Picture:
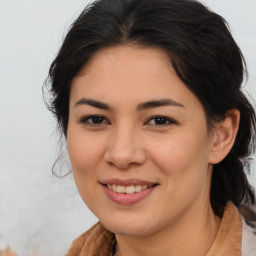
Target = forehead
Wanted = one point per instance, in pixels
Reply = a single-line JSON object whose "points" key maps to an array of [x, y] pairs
{"points": [[122, 61], [129, 73]]}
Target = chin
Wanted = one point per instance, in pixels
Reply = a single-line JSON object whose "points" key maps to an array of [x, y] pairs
{"points": [[128, 226]]}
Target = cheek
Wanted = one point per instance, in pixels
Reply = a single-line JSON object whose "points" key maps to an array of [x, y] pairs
{"points": [[183, 161], [85, 155], [184, 153], [84, 151]]}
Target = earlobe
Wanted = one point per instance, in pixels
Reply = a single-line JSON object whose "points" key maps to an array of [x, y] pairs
{"points": [[224, 135]]}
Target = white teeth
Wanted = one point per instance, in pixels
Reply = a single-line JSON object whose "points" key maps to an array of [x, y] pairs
{"points": [[130, 190], [138, 188], [120, 189], [127, 189]]}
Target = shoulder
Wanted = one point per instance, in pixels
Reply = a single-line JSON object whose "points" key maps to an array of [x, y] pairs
{"points": [[77, 245], [248, 230], [96, 241]]}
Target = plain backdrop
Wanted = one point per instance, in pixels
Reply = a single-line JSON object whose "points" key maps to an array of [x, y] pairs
{"points": [[40, 213]]}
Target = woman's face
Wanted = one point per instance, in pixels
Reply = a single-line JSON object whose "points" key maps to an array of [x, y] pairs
{"points": [[138, 142]]}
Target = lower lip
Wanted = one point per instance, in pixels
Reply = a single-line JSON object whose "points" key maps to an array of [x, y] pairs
{"points": [[127, 199]]}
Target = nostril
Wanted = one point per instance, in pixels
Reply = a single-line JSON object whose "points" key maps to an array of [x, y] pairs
{"points": [[124, 156]]}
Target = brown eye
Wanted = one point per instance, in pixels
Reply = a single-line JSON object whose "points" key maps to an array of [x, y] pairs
{"points": [[94, 120], [160, 121], [97, 120]]}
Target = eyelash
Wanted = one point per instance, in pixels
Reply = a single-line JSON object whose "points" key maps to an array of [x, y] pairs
{"points": [[167, 121], [85, 120]]}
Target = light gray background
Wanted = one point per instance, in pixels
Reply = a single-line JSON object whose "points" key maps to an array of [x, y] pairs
{"points": [[39, 213]]}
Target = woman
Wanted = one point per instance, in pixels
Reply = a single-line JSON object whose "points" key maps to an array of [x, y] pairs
{"points": [[147, 94]]}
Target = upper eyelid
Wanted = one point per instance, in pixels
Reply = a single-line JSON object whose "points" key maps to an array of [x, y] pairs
{"points": [[162, 116], [85, 118]]}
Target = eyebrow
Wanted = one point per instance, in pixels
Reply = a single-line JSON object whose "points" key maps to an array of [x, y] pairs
{"points": [[158, 103], [142, 106], [93, 103]]}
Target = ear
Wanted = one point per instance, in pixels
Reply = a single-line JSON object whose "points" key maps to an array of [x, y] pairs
{"points": [[224, 135]]}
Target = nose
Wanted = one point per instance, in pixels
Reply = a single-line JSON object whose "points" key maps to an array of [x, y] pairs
{"points": [[124, 149]]}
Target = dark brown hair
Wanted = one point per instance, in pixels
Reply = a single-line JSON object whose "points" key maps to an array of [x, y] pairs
{"points": [[202, 52]]}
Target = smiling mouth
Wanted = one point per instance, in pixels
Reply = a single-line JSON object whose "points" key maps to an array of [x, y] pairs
{"points": [[128, 189], [127, 192]]}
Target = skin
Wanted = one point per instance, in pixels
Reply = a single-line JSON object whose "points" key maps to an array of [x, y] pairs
{"points": [[128, 143]]}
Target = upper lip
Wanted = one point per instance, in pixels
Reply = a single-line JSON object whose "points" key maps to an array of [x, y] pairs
{"points": [[127, 182]]}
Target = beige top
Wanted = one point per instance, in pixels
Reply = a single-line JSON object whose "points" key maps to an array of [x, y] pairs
{"points": [[98, 241], [228, 241]]}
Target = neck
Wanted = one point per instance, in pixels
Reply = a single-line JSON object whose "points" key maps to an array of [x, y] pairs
{"points": [[193, 234]]}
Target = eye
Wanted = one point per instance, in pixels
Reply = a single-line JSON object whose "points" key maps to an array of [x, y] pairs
{"points": [[160, 121], [94, 120]]}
